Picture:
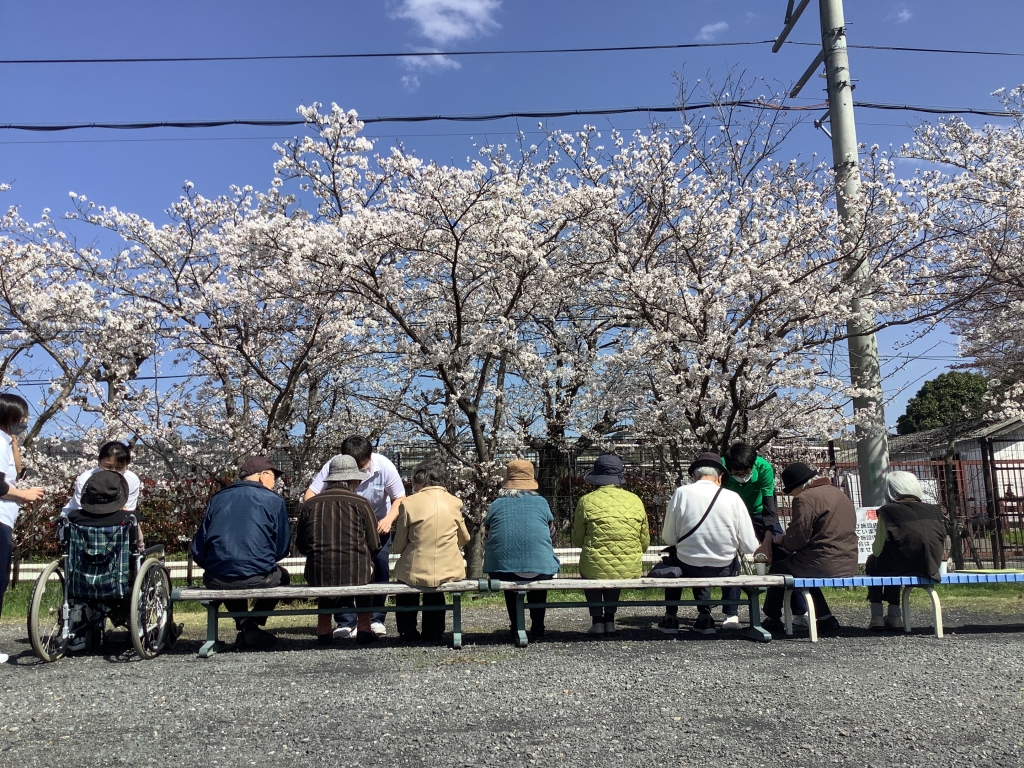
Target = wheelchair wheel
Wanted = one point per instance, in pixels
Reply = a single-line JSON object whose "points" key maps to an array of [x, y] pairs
{"points": [[150, 609], [46, 614]]}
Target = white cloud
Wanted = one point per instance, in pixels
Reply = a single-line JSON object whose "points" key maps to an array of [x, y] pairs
{"points": [[429, 63], [710, 31], [411, 82], [900, 14], [444, 21]]}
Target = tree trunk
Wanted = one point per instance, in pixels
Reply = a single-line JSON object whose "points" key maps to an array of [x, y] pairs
{"points": [[475, 553], [953, 508]]}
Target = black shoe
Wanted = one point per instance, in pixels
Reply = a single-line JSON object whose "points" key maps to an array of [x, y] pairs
{"points": [[828, 624], [412, 636], [704, 624], [439, 638], [256, 638], [669, 625], [776, 626], [536, 634]]}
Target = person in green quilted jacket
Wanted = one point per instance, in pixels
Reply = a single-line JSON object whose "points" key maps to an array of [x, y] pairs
{"points": [[611, 527]]}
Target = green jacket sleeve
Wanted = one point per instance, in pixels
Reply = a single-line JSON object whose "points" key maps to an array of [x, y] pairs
{"points": [[765, 478]]}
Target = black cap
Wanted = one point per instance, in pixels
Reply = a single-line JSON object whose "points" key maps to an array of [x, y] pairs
{"points": [[256, 464], [709, 459], [795, 475], [607, 471], [105, 492]]}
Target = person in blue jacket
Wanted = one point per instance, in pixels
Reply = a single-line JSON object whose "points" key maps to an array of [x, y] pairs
{"points": [[244, 532]]}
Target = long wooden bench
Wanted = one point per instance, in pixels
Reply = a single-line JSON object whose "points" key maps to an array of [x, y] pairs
{"points": [[752, 586], [906, 583], [212, 598]]}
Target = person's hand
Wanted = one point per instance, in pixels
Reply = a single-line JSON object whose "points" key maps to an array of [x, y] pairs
{"points": [[26, 495], [384, 525], [765, 548]]}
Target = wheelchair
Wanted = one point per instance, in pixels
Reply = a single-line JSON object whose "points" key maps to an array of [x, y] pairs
{"points": [[101, 575]]}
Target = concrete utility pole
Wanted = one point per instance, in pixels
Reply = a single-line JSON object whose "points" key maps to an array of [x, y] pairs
{"points": [[865, 372]]}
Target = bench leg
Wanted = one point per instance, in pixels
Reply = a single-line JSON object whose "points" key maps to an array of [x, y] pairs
{"points": [[755, 631], [787, 611], [456, 620], [520, 630], [937, 608], [212, 644], [905, 603], [812, 615]]}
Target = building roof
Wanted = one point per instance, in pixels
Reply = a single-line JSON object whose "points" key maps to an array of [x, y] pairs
{"points": [[935, 439]]}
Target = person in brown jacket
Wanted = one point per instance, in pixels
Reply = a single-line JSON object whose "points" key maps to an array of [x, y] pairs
{"points": [[822, 537], [429, 537], [337, 532]]}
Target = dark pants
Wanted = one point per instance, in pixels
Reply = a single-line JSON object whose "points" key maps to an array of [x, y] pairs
{"points": [[433, 621], [276, 578], [381, 575], [775, 595], [6, 553], [602, 596], [762, 524], [702, 593], [890, 595], [533, 596]]}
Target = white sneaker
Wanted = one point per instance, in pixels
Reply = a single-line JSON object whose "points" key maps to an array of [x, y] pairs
{"points": [[378, 628], [345, 633], [801, 621], [596, 628], [731, 622], [3, 658]]}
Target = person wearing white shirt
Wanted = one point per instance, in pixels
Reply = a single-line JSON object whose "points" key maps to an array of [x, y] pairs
{"points": [[707, 524], [13, 422], [384, 489], [113, 457]]}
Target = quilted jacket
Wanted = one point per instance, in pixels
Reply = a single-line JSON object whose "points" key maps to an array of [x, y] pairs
{"points": [[611, 527]]}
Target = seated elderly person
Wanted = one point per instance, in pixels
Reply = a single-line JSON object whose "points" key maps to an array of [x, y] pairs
{"points": [[429, 538], [243, 534], [821, 537], [520, 530], [910, 540], [610, 527], [706, 524], [337, 532]]}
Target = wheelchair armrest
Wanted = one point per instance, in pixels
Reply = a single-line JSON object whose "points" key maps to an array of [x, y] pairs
{"points": [[157, 550]]}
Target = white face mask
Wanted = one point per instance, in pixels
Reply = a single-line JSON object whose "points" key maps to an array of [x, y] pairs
{"points": [[742, 479]]}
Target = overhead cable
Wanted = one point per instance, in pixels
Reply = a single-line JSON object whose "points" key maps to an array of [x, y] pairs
{"points": [[542, 115], [500, 52]]}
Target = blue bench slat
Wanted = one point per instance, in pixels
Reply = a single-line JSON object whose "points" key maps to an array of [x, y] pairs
{"points": [[907, 581]]}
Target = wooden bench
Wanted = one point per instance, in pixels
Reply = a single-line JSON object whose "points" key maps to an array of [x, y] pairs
{"points": [[212, 598], [906, 584], [753, 586]]}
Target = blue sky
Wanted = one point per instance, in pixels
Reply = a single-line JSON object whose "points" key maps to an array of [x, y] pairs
{"points": [[144, 171]]}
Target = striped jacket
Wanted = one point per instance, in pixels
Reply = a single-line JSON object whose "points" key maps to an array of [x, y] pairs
{"points": [[337, 531]]}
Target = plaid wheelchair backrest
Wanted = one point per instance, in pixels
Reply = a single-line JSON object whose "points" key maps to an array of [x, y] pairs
{"points": [[99, 562]]}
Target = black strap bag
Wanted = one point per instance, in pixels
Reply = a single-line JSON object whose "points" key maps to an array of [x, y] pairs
{"points": [[670, 566]]}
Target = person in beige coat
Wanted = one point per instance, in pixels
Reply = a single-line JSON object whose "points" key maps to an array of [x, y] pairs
{"points": [[429, 537]]}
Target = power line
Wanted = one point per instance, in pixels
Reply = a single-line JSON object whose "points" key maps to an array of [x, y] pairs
{"points": [[742, 103], [504, 52], [379, 55]]}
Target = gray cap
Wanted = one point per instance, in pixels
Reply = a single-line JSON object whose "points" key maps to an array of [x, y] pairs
{"points": [[343, 467]]}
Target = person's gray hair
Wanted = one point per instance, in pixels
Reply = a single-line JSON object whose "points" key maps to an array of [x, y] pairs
{"points": [[515, 493], [902, 485], [700, 472], [429, 472]]}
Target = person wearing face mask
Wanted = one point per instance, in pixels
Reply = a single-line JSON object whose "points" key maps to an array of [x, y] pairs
{"points": [[752, 477], [13, 422]]}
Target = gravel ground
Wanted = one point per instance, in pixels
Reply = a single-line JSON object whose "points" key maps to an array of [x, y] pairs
{"points": [[642, 699]]}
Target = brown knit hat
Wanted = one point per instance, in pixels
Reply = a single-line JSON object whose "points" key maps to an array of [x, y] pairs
{"points": [[519, 476]]}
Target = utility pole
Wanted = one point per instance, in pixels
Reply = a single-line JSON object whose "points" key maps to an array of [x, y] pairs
{"points": [[865, 371]]}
